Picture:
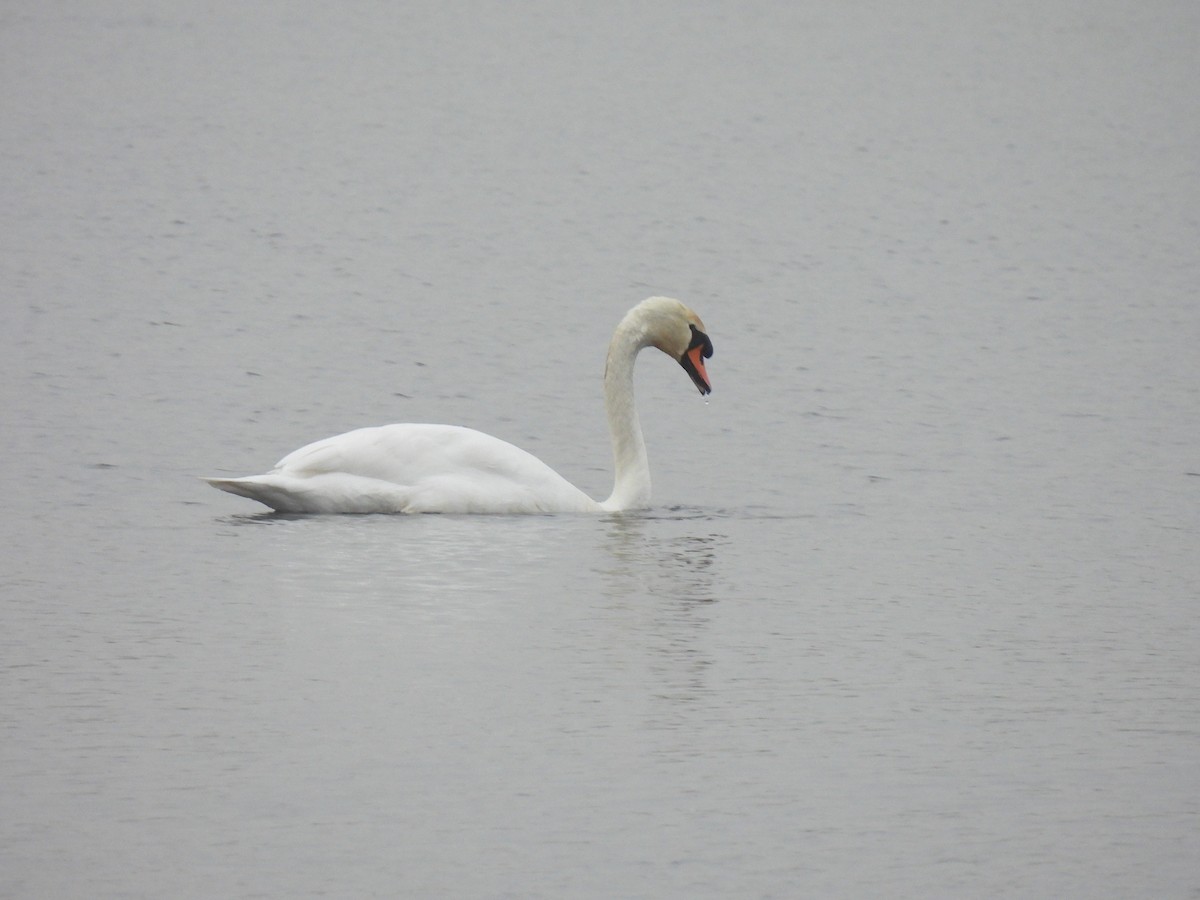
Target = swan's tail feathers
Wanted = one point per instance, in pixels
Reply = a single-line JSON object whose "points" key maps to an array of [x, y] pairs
{"points": [[255, 488], [328, 493], [239, 486]]}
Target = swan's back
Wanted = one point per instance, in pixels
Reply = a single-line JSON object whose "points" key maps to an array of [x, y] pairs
{"points": [[411, 468]]}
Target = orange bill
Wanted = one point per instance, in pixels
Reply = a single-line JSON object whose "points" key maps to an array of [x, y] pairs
{"points": [[695, 367]]}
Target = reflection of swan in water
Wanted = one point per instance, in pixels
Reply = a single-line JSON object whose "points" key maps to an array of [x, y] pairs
{"points": [[469, 568], [445, 468], [662, 580], [680, 566]]}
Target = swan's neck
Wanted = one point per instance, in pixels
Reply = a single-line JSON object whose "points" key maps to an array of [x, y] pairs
{"points": [[631, 486]]}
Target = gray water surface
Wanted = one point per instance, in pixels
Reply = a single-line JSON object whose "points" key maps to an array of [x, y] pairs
{"points": [[915, 611]]}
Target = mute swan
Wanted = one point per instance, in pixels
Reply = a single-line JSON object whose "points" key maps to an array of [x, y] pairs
{"points": [[449, 469]]}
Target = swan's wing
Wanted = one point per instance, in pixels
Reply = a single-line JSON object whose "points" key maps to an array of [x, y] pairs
{"points": [[411, 453]]}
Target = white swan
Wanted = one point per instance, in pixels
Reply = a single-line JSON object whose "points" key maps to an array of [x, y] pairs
{"points": [[450, 469]]}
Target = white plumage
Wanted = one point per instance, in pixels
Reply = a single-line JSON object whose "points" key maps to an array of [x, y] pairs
{"points": [[416, 468]]}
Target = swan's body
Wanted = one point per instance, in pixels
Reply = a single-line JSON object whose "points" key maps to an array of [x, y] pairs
{"points": [[446, 468], [412, 469]]}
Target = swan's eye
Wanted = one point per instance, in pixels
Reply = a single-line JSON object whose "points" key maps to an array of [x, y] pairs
{"points": [[700, 339]]}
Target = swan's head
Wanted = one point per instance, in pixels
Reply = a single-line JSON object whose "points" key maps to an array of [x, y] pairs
{"points": [[678, 332]]}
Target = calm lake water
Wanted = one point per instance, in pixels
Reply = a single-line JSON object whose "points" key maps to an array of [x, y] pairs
{"points": [[915, 613]]}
